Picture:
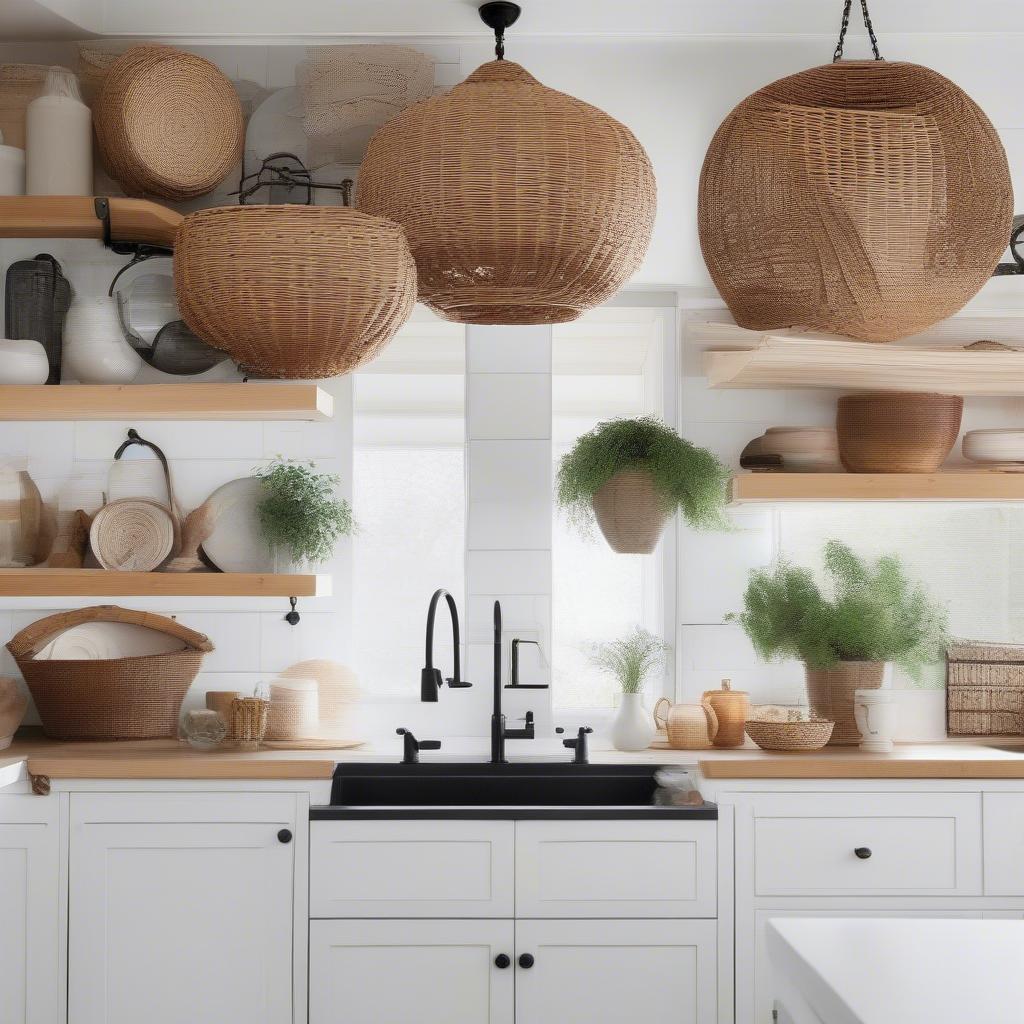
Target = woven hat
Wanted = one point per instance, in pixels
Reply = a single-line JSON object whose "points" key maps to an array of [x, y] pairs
{"points": [[864, 198], [522, 205]]}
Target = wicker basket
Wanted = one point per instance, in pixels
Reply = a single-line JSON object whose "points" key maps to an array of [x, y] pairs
{"points": [[897, 432], [985, 689], [523, 205], [168, 123], [630, 512], [294, 291], [863, 198], [126, 698], [830, 695], [810, 734]]}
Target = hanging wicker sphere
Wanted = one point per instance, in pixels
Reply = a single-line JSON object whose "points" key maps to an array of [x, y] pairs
{"points": [[522, 205], [863, 198], [293, 291]]}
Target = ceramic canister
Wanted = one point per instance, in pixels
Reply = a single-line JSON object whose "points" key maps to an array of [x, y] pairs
{"points": [[58, 139], [875, 712], [732, 708]]}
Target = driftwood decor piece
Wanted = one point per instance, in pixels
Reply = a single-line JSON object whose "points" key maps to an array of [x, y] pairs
{"points": [[864, 198]]}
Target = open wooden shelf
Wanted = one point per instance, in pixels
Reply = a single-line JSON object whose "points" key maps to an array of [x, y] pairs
{"points": [[768, 488], [105, 583], [248, 401]]}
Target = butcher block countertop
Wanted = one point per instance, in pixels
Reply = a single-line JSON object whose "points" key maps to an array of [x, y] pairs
{"points": [[31, 752]]}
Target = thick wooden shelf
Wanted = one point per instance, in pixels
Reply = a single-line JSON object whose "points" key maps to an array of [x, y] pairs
{"points": [[247, 401], [770, 488], [106, 583]]}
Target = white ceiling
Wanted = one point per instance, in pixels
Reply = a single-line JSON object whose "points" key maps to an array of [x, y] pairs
{"points": [[286, 20]]}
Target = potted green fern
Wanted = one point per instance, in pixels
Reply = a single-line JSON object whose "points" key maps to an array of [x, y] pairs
{"points": [[871, 614], [630, 475]]}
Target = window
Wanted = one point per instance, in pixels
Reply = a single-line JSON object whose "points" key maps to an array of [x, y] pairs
{"points": [[409, 496]]}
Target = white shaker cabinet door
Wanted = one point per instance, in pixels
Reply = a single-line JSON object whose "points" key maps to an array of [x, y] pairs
{"points": [[400, 972], [29, 910], [613, 972], [181, 909]]}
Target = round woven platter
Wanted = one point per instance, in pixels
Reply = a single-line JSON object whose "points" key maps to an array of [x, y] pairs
{"points": [[132, 535]]}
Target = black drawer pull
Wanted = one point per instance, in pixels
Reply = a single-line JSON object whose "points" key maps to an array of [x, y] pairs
{"points": [[284, 836], [863, 852], [526, 960], [502, 960]]}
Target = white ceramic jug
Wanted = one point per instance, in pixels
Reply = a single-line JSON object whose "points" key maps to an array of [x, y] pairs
{"points": [[875, 713]]}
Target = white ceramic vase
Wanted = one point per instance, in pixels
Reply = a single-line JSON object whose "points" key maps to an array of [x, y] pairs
{"points": [[633, 727], [95, 351], [23, 361]]}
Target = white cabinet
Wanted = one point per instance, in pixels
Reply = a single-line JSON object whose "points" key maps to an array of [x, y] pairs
{"points": [[609, 972], [29, 910], [396, 972], [1004, 844], [181, 908]]}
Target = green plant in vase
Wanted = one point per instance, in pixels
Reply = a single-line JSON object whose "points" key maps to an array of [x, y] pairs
{"points": [[632, 474], [300, 514], [870, 614]]}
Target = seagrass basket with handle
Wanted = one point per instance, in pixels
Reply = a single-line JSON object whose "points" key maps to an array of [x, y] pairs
{"points": [[135, 697]]}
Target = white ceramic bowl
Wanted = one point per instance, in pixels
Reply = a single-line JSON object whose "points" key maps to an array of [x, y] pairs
{"points": [[803, 449], [23, 361], [1001, 445]]}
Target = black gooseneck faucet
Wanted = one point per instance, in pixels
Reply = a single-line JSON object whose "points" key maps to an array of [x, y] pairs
{"points": [[498, 731], [431, 679]]}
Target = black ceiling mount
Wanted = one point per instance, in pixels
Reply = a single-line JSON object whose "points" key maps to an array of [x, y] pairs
{"points": [[498, 15]]}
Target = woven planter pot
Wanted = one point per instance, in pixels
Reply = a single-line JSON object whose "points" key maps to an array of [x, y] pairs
{"points": [[897, 432], [863, 198], [522, 205], [830, 695], [293, 291], [630, 512], [124, 698], [168, 123]]}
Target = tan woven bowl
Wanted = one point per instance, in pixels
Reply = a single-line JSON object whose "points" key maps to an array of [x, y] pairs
{"points": [[293, 291], [132, 535], [897, 432], [791, 736], [865, 198], [630, 512], [125, 698], [522, 205], [168, 123]]}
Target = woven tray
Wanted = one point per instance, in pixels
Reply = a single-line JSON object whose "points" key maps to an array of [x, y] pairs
{"points": [[984, 689]]}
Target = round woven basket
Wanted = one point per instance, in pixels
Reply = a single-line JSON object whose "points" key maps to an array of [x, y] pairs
{"points": [[132, 535], [168, 123], [897, 432], [794, 736], [830, 694], [864, 198], [630, 512], [293, 291], [124, 698], [522, 205]]}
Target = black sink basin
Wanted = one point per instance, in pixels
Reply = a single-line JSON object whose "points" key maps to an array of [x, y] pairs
{"points": [[534, 790]]}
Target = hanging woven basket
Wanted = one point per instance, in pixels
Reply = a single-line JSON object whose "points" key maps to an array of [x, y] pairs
{"points": [[863, 198], [522, 205]]}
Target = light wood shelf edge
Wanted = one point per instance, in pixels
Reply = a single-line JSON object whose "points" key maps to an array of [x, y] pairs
{"points": [[105, 583], [834, 487]]}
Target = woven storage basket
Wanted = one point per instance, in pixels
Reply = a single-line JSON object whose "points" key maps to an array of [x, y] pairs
{"points": [[812, 734], [830, 695], [630, 512], [294, 291], [522, 205], [985, 689], [897, 432], [864, 198], [125, 698], [168, 123]]}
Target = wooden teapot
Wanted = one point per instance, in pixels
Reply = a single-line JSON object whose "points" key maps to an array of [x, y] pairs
{"points": [[687, 726]]}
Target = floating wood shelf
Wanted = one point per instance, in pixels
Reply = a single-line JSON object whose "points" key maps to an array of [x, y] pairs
{"points": [[768, 488], [793, 360], [106, 583], [165, 402]]}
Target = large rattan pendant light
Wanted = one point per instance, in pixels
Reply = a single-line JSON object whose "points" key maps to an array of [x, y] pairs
{"points": [[522, 205], [864, 198]]}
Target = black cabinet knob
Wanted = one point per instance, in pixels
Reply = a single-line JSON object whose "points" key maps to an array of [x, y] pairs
{"points": [[284, 836], [502, 960], [525, 960], [862, 852]]}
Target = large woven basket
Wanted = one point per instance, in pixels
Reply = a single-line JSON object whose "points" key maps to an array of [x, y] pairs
{"points": [[522, 205], [864, 198], [985, 689], [168, 123], [830, 695], [808, 734], [126, 698], [294, 291], [897, 432], [630, 512]]}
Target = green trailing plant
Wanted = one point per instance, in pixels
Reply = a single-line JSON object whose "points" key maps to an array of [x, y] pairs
{"points": [[870, 612], [630, 659], [689, 478], [300, 512]]}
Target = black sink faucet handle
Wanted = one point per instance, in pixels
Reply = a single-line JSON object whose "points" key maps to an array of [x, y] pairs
{"points": [[578, 745], [412, 746]]}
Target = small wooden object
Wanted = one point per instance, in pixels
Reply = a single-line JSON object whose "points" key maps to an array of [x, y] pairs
{"points": [[985, 689], [732, 708], [71, 542]]}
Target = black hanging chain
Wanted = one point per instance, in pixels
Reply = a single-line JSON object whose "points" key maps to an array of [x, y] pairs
{"points": [[838, 55]]}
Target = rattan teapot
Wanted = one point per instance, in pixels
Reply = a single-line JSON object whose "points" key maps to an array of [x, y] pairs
{"points": [[687, 726]]}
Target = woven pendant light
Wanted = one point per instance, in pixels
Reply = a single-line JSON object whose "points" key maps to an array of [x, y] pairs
{"points": [[522, 205], [863, 198]]}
